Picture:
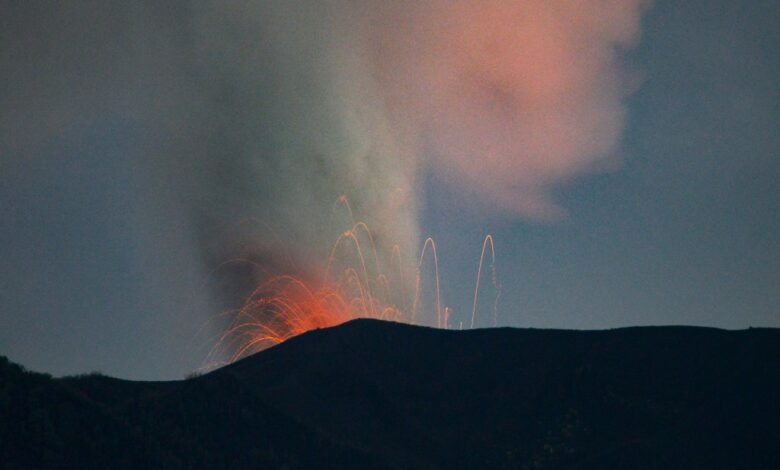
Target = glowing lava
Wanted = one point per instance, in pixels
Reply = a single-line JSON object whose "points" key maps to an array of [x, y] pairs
{"points": [[354, 286]]}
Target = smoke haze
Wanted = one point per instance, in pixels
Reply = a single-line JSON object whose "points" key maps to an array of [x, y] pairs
{"points": [[234, 126]]}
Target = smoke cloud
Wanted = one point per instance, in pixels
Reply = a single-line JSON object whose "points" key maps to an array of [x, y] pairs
{"points": [[250, 119], [508, 97]]}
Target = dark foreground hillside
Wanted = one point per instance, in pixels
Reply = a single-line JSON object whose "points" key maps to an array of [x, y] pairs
{"points": [[377, 394]]}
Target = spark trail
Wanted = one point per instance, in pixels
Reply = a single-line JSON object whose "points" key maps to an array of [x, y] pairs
{"points": [[354, 285]]}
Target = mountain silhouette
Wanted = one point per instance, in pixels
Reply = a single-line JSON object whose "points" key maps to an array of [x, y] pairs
{"points": [[373, 394]]}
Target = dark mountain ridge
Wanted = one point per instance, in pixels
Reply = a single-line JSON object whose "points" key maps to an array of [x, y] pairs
{"points": [[379, 394]]}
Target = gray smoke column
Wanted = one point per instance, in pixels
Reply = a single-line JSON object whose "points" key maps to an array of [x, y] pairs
{"points": [[249, 119], [289, 119]]}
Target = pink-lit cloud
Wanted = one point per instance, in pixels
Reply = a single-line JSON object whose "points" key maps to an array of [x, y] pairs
{"points": [[509, 98]]}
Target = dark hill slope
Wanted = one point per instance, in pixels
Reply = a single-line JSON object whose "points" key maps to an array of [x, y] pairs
{"points": [[371, 393]]}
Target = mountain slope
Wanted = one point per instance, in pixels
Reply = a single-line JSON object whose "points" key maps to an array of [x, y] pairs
{"points": [[370, 393]]}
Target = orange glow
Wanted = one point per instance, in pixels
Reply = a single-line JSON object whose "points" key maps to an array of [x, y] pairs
{"points": [[285, 306]]}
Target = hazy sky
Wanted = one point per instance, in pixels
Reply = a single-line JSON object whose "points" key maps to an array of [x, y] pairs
{"points": [[136, 143]]}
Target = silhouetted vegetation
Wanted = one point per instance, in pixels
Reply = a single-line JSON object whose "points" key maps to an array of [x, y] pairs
{"points": [[375, 394]]}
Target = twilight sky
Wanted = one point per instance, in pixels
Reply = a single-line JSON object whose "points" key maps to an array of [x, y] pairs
{"points": [[625, 163]]}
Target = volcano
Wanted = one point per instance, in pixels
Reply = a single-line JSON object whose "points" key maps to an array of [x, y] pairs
{"points": [[371, 393]]}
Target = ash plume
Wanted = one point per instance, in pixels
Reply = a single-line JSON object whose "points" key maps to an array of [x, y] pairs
{"points": [[247, 120], [508, 98], [244, 121]]}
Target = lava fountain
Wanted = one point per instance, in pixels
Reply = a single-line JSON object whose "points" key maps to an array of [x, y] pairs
{"points": [[354, 285]]}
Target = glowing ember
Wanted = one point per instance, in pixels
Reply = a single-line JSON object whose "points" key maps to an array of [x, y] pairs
{"points": [[353, 287]]}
